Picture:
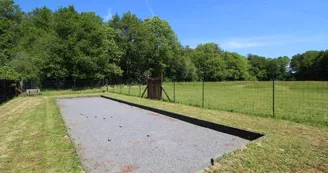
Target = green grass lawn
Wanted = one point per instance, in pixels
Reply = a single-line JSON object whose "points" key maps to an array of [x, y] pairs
{"points": [[70, 91], [34, 138], [304, 102]]}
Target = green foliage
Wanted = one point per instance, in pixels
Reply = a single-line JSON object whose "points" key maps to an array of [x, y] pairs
{"points": [[278, 67], [209, 61], [149, 46], [68, 45], [166, 49], [310, 65], [217, 65], [8, 73], [26, 66], [10, 17], [131, 38], [258, 66], [237, 67], [264, 68]]}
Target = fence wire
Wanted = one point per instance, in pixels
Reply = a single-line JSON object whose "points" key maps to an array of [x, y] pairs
{"points": [[299, 101]]}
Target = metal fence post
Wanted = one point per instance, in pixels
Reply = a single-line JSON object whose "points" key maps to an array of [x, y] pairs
{"points": [[4, 90], [174, 91], [129, 87], [74, 83], [273, 94], [139, 89], [203, 91], [107, 84]]}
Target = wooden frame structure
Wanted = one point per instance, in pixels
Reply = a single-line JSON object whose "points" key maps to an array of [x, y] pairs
{"points": [[155, 88]]}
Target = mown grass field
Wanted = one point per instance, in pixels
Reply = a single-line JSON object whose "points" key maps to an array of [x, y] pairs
{"points": [[34, 137], [304, 101], [70, 91]]}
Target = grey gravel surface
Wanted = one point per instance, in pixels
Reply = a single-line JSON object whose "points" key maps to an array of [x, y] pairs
{"points": [[114, 137]]}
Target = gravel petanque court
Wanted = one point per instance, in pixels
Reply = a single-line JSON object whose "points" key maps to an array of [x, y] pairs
{"points": [[115, 137]]}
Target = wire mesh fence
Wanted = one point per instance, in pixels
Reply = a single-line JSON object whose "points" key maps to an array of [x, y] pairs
{"points": [[72, 84], [300, 101], [59, 87], [128, 89], [239, 96]]}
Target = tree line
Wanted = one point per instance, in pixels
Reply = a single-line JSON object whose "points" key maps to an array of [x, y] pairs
{"points": [[67, 45]]}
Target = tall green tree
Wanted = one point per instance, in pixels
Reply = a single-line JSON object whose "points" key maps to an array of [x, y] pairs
{"points": [[209, 61], [37, 36], [309, 65], [84, 47], [10, 18], [8, 73], [131, 37], [236, 66], [258, 66], [322, 66], [165, 48], [278, 67], [183, 69]]}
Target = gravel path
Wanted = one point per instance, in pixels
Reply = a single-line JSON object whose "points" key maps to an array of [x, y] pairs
{"points": [[114, 137]]}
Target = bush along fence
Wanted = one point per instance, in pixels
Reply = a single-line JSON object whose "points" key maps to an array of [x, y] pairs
{"points": [[7, 90]]}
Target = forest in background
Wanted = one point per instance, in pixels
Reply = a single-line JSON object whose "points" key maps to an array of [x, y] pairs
{"points": [[68, 45]]}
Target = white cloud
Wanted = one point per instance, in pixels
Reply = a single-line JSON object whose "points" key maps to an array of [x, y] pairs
{"points": [[234, 43], [150, 9], [109, 15], [272, 40], [255, 41], [238, 45]]}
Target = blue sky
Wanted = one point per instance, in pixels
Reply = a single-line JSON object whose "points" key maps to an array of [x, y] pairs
{"points": [[269, 28]]}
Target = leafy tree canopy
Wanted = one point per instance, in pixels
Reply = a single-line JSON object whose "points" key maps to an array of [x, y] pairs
{"points": [[68, 45]]}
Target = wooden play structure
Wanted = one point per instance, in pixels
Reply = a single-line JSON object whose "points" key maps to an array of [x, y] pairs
{"points": [[155, 88]]}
